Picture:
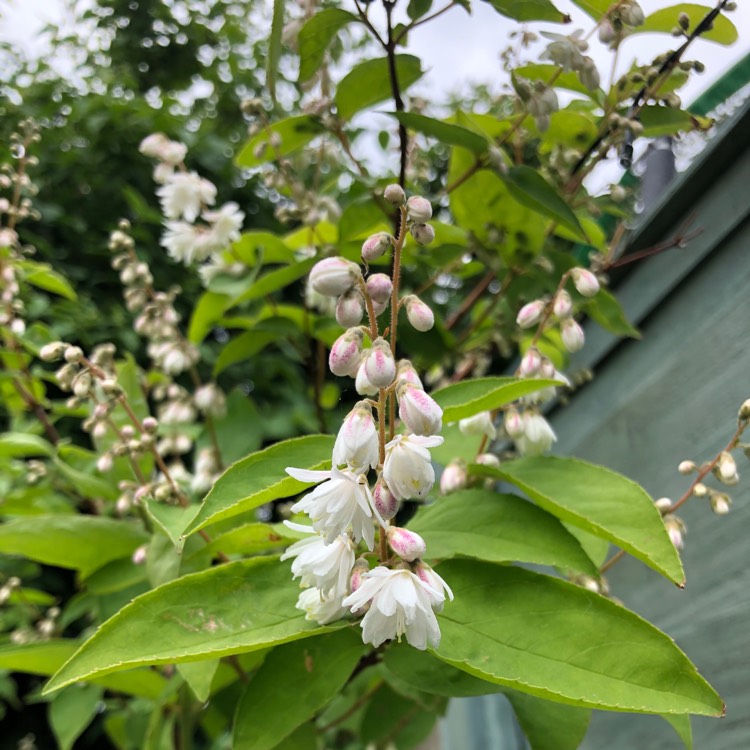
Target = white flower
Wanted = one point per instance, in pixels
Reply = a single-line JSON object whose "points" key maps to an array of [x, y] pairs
{"points": [[400, 604], [163, 173], [185, 194], [408, 468], [319, 608], [226, 223], [479, 424], [341, 503], [537, 436], [418, 411], [425, 573], [187, 243], [326, 566], [357, 442], [210, 399], [361, 383]]}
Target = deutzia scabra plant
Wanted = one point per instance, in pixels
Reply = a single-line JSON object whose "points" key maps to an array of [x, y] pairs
{"points": [[307, 497]]}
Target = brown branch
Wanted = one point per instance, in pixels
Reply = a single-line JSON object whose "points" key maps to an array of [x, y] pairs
{"points": [[471, 299]]}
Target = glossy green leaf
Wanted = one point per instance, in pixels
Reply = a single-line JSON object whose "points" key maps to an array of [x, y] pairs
{"points": [[294, 132], [595, 8], [42, 276], [658, 120], [210, 307], [274, 47], [85, 482], [529, 10], [260, 478], [243, 347], [315, 36], [241, 431], [549, 725], [115, 576], [498, 528], [312, 671], [46, 657], [664, 20], [558, 641], [445, 132], [597, 500], [274, 280], [302, 738], [71, 711], [530, 189], [171, 519], [250, 539], [605, 309], [80, 542], [22, 445], [230, 609], [418, 8], [368, 83], [199, 675], [683, 727], [469, 397], [257, 247]]}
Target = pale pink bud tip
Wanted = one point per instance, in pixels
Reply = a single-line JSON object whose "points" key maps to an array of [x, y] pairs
{"points": [[530, 314], [380, 367], [514, 423], [418, 209], [395, 195], [572, 335], [531, 363], [585, 282], [563, 305], [453, 478], [379, 287], [376, 245], [406, 544], [350, 309], [361, 566], [418, 411], [346, 352], [334, 276], [385, 502], [405, 371], [488, 459], [424, 234], [419, 314]]}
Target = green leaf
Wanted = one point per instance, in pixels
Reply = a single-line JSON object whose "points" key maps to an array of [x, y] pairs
{"points": [[22, 445], [241, 431], [250, 539], [260, 478], [261, 247], [722, 31], [210, 308], [274, 47], [42, 276], [243, 347], [84, 482], [658, 120], [315, 36], [230, 609], [530, 189], [543, 72], [445, 132], [499, 528], [71, 712], [369, 83], [294, 132], [681, 725], [529, 10], [82, 543], [595, 8], [550, 638], [171, 519], [274, 280], [548, 725], [597, 500], [311, 672], [46, 657], [469, 397], [199, 675], [302, 738], [605, 309], [417, 8]]}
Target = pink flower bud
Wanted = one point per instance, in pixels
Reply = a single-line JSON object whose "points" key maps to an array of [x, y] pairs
{"points": [[531, 362], [345, 353], [334, 276], [418, 411], [395, 195], [376, 245], [427, 575], [139, 556], [361, 566], [726, 469], [453, 478], [104, 463], [488, 459], [572, 335], [379, 287], [585, 282], [361, 384], [530, 314], [675, 536], [424, 234], [663, 504], [405, 371], [419, 314], [379, 307], [406, 544], [418, 209], [350, 308], [563, 305], [514, 423], [547, 369], [150, 425], [380, 366], [385, 502]]}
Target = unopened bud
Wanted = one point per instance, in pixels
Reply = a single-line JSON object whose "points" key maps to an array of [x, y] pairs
{"points": [[572, 335], [395, 195], [676, 536], [380, 365], [334, 276], [418, 411], [361, 566], [530, 314], [52, 352], [488, 459], [345, 353], [361, 383], [82, 385], [150, 425], [104, 463], [405, 371], [562, 307], [632, 14], [419, 210], [585, 282], [606, 31], [139, 556], [406, 544], [513, 423], [376, 245], [726, 469], [479, 424], [424, 234], [385, 502], [663, 504], [531, 362], [720, 503], [684, 21], [350, 309], [744, 412], [419, 314], [73, 354], [379, 287], [453, 478], [700, 490], [686, 467]]}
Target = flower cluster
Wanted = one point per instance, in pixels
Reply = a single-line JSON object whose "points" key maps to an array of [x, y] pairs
{"points": [[401, 595], [185, 196]]}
